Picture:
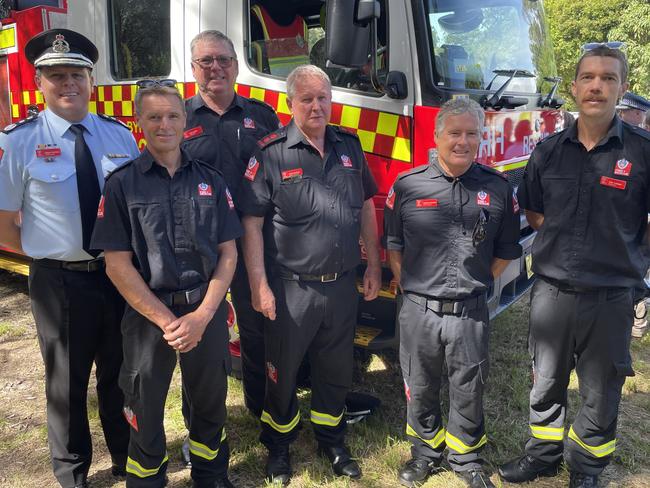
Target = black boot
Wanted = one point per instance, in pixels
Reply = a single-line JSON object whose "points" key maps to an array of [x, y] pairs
{"points": [[278, 465], [342, 462], [526, 468], [417, 470], [475, 478], [582, 480]]}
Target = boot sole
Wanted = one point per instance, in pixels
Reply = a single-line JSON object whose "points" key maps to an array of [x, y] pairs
{"points": [[547, 473]]}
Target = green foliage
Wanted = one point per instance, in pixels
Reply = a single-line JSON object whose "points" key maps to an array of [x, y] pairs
{"points": [[575, 23]]}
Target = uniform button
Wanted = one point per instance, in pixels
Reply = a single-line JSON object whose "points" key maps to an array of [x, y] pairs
{"points": [[336, 226], [336, 245], [54, 177]]}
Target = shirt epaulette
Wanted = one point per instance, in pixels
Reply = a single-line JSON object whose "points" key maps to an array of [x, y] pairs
{"points": [[119, 168], [551, 137], [208, 166], [640, 132], [113, 119], [492, 171], [262, 103], [412, 171], [278, 135], [345, 131], [20, 123]]}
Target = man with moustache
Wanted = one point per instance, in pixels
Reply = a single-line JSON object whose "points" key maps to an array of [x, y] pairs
{"points": [[451, 228], [167, 224], [222, 129], [586, 191], [52, 169], [306, 200]]}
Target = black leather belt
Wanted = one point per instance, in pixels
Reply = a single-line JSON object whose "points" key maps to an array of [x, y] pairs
{"points": [[453, 307], [285, 274], [566, 288], [183, 297], [89, 266]]}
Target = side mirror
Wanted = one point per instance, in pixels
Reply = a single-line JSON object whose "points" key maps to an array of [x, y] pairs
{"points": [[396, 85], [348, 31]]}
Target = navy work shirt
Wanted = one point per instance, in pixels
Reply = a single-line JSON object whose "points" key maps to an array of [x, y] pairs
{"points": [[430, 218], [173, 225], [312, 206], [227, 141], [595, 206]]}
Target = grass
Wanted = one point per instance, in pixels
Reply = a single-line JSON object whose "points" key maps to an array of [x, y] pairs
{"points": [[379, 441]]}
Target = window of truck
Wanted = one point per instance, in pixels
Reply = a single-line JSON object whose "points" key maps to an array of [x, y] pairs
{"points": [[140, 38]]}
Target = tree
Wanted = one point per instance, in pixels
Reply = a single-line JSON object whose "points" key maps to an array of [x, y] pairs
{"points": [[573, 24]]}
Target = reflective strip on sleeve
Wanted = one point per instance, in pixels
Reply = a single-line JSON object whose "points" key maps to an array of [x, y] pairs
{"points": [[455, 444], [204, 451], [282, 428], [597, 451], [136, 469], [325, 419], [435, 442], [547, 433]]}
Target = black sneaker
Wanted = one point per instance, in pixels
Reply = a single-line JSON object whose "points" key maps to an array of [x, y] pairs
{"points": [[526, 468], [416, 470]]}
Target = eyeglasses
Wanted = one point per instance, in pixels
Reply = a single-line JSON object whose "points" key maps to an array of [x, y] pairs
{"points": [[151, 83], [611, 45], [206, 62]]}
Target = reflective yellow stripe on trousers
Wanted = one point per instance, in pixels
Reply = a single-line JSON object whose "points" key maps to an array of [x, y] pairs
{"points": [[136, 469], [597, 451], [204, 451], [434, 443], [325, 419], [455, 444], [281, 428], [547, 433]]}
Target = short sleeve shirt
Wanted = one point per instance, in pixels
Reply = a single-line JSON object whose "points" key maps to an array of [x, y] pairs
{"points": [[173, 225], [38, 177], [227, 141], [595, 206], [431, 217], [312, 205]]}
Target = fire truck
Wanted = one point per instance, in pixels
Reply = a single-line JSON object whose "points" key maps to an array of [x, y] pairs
{"points": [[392, 63]]}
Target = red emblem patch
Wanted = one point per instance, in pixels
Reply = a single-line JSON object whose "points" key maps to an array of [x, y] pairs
{"points": [[231, 204], [622, 167], [426, 203], [271, 372], [613, 183], [515, 203], [291, 173], [483, 199], [193, 132], [390, 199], [130, 417], [205, 190], [251, 169], [249, 123], [407, 391], [346, 161], [100, 208], [48, 152]]}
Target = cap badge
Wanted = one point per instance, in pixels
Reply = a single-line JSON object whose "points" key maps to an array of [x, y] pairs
{"points": [[60, 45]]}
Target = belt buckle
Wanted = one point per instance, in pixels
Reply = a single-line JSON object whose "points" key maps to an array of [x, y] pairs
{"points": [[190, 295], [327, 278], [447, 307]]}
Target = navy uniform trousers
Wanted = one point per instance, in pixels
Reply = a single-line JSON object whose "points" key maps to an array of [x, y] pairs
{"points": [[427, 340], [588, 331], [77, 318], [317, 319], [149, 363]]}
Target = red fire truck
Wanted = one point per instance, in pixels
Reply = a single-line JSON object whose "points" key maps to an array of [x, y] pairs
{"points": [[392, 64]]}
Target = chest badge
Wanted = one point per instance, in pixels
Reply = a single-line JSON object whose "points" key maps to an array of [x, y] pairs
{"points": [[622, 167], [390, 198], [613, 183], [292, 174], [249, 123], [193, 132], [117, 156], [205, 190], [231, 203], [426, 203], [483, 199], [251, 169], [47, 152], [346, 161]]}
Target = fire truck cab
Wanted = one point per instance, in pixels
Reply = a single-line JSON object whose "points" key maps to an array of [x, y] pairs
{"points": [[392, 64]]}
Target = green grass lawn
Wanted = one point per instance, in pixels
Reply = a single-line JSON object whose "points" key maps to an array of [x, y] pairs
{"points": [[378, 442]]}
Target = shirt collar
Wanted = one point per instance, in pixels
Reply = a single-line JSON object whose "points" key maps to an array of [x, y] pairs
{"points": [[615, 131], [435, 171], [61, 125], [146, 160], [197, 102], [295, 135]]}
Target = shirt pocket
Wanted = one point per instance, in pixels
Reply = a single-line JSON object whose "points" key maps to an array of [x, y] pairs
{"points": [[296, 199], [54, 186], [347, 182], [205, 221], [559, 194]]}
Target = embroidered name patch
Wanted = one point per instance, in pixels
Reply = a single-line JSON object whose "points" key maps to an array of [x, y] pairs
{"points": [[193, 132], [291, 173], [426, 203], [613, 183]]}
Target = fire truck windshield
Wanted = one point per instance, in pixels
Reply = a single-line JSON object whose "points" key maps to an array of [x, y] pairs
{"points": [[473, 42]]}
